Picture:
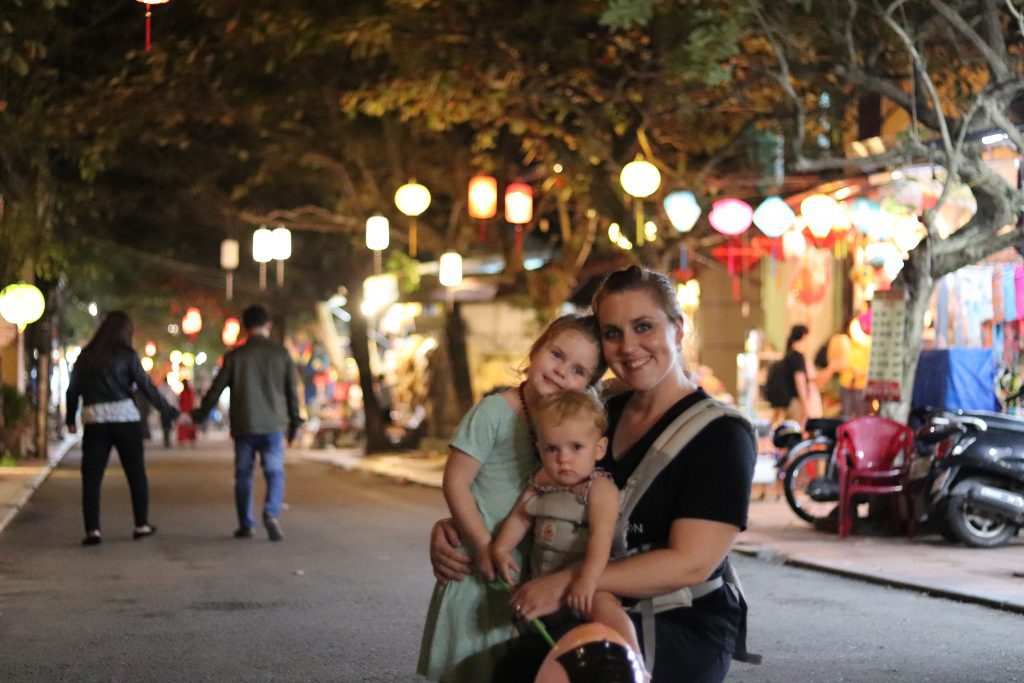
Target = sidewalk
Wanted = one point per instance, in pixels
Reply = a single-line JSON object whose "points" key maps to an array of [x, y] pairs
{"points": [[17, 484], [929, 564]]}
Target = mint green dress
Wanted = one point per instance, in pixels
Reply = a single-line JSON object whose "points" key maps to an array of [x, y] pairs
{"points": [[470, 623]]}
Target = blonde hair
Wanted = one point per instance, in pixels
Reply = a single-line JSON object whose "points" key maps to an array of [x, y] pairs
{"points": [[569, 405]]}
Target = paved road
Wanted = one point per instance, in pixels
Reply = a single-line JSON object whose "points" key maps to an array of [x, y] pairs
{"points": [[341, 599]]}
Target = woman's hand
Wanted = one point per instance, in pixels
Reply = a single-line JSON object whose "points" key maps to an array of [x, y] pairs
{"points": [[449, 563], [541, 596]]}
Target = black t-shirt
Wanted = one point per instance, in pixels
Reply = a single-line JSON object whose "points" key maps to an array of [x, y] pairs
{"points": [[794, 362], [710, 479]]}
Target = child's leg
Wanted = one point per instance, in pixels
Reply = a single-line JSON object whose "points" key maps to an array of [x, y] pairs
{"points": [[607, 610]]}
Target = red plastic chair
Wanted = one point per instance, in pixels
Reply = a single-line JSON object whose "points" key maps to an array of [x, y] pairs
{"points": [[873, 456]]}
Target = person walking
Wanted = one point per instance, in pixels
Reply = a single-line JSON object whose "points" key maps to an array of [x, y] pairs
{"points": [[105, 378], [187, 403], [264, 410], [166, 424]]}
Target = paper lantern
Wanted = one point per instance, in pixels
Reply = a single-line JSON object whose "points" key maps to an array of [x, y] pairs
{"points": [[864, 213], [378, 233], [518, 203], [821, 213], [640, 178], [412, 199], [21, 304], [682, 209], [232, 328], [731, 216], [794, 245], [192, 322], [449, 270], [229, 254], [774, 217], [282, 238], [149, 349], [483, 197], [262, 245]]}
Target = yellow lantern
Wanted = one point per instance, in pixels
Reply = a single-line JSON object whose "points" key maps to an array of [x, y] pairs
{"points": [[821, 213], [483, 197], [640, 178], [192, 322], [412, 199], [21, 304]]}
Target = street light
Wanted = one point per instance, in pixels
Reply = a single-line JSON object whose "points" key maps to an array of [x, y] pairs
{"points": [[378, 237], [412, 199], [229, 262], [640, 178], [263, 251], [282, 250]]}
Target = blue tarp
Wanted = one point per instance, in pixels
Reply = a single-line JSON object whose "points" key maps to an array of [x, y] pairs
{"points": [[956, 379]]}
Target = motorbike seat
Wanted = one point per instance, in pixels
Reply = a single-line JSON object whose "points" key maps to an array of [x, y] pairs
{"points": [[823, 426]]}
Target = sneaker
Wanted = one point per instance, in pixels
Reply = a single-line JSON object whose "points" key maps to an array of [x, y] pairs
{"points": [[273, 528], [243, 532]]}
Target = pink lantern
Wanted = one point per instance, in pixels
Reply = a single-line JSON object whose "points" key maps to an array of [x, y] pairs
{"points": [[731, 216], [518, 203], [483, 197]]}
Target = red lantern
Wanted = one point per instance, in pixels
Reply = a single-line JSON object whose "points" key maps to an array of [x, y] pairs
{"points": [[231, 330], [192, 322]]}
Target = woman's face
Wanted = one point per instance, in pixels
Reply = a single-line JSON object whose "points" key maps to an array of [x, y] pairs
{"points": [[641, 344], [566, 361]]}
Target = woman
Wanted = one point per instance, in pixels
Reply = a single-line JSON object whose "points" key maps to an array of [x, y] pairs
{"points": [[801, 399], [104, 377], [186, 404], [684, 524]]}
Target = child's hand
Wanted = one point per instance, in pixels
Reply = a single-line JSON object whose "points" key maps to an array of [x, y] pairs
{"points": [[581, 595], [505, 566], [484, 565]]}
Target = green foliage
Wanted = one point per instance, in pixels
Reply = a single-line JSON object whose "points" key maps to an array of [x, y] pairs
{"points": [[622, 15], [17, 407]]}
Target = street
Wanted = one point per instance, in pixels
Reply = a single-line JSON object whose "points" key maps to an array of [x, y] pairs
{"points": [[343, 596]]}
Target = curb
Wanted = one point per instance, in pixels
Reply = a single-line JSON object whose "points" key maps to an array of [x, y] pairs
{"points": [[55, 455]]}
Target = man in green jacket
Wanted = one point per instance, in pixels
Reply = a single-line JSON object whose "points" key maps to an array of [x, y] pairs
{"points": [[264, 408]]}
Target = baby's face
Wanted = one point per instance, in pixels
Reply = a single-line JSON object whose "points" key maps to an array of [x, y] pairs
{"points": [[569, 450]]}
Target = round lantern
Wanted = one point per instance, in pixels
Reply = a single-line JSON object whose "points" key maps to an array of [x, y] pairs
{"points": [[192, 322], [412, 199], [731, 216], [483, 197], [794, 245], [150, 349], [640, 178], [864, 213], [682, 209], [21, 304], [232, 328], [518, 203], [774, 217], [378, 233], [821, 213], [449, 269]]}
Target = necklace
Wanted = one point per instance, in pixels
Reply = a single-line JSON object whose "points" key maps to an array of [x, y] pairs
{"points": [[529, 420]]}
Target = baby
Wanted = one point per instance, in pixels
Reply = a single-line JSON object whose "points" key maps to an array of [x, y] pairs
{"points": [[572, 508]]}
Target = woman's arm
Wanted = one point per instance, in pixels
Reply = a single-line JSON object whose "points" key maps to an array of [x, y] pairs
{"points": [[459, 472], [602, 512]]}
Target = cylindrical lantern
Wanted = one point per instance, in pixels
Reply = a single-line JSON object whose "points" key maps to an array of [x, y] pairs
{"points": [[449, 270], [682, 209], [229, 254], [774, 217], [378, 233], [640, 178], [518, 203], [21, 304], [820, 211], [483, 197], [412, 199], [229, 335], [262, 245], [192, 322], [730, 216], [282, 239]]}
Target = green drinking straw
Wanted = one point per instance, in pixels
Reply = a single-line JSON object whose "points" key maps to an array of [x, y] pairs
{"points": [[536, 623]]}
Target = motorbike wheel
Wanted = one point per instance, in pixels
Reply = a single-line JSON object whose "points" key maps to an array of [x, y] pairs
{"points": [[972, 527], [800, 473]]}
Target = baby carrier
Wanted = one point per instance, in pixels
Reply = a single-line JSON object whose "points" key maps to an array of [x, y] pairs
{"points": [[664, 449]]}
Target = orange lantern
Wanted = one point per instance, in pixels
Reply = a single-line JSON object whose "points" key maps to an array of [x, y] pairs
{"points": [[519, 208], [192, 322], [231, 330], [150, 349], [483, 197]]}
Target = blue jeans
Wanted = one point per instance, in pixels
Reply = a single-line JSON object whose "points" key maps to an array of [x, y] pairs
{"points": [[271, 450]]}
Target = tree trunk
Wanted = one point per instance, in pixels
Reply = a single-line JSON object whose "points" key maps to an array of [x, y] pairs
{"points": [[916, 279], [455, 337], [376, 440]]}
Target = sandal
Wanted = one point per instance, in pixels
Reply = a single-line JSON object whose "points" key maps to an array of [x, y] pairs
{"points": [[143, 531], [92, 538]]}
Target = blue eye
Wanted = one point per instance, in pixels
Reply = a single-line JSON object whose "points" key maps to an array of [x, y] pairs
{"points": [[642, 327]]}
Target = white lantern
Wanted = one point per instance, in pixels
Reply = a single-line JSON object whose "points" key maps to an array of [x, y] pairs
{"points": [[21, 304], [378, 233], [640, 178], [821, 213], [794, 245], [774, 217], [282, 239], [412, 199], [229, 254], [682, 209], [262, 245], [449, 271]]}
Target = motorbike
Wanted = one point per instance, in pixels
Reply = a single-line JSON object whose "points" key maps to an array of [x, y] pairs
{"points": [[968, 471], [807, 467]]}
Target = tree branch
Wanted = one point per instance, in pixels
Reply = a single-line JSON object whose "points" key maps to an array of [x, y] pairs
{"points": [[994, 54]]}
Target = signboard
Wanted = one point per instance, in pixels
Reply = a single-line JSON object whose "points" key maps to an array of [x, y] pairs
{"points": [[885, 370]]}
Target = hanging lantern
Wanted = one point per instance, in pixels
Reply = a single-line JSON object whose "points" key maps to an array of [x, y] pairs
{"points": [[262, 245], [794, 245], [449, 270], [483, 197], [232, 328], [518, 203], [774, 217], [281, 238], [640, 178], [821, 213], [682, 209], [192, 322], [229, 254], [378, 233], [21, 304], [614, 233], [731, 216], [412, 199], [864, 213], [149, 349], [149, 19]]}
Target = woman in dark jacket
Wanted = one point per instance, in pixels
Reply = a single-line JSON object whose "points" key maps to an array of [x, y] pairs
{"points": [[105, 376]]}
